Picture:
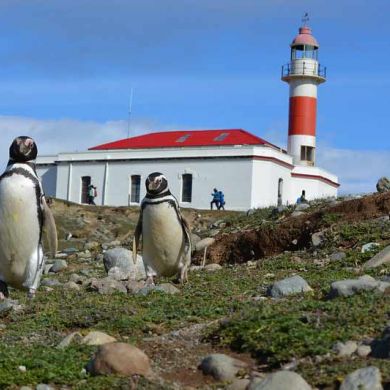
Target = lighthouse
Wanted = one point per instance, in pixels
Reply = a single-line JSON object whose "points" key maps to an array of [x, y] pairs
{"points": [[303, 74]]}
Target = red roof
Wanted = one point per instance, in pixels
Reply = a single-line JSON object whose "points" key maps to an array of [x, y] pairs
{"points": [[183, 138], [305, 38]]}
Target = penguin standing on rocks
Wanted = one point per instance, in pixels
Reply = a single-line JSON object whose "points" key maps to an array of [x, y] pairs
{"points": [[23, 214], [166, 236]]}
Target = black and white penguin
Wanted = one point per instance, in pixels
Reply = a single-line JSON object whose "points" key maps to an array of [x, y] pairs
{"points": [[23, 215], [166, 237]]}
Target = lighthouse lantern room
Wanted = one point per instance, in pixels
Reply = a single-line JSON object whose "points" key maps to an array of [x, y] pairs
{"points": [[303, 74]]}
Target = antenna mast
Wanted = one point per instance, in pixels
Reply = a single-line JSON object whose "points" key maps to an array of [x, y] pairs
{"points": [[129, 114], [305, 19]]}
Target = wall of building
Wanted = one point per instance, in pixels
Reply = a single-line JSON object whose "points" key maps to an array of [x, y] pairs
{"points": [[48, 175], [113, 180], [265, 179]]}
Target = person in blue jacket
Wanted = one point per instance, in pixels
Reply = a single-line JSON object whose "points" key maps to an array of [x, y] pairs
{"points": [[215, 195], [221, 200]]}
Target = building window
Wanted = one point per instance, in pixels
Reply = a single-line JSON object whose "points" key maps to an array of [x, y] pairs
{"points": [[307, 153], [186, 191], [183, 138], [85, 182], [221, 137], [135, 190]]}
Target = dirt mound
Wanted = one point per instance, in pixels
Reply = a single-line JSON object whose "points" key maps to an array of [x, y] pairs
{"points": [[293, 233]]}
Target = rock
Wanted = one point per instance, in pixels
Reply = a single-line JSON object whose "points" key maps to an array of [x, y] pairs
{"points": [[90, 245], [292, 285], [22, 368], [383, 184], [123, 259], [280, 380], [107, 286], [51, 282], [58, 266], [75, 278], [169, 288], [365, 378], [221, 367], [349, 287], [47, 268], [42, 386], [383, 257], [297, 213], [73, 338], [206, 242], [317, 238], [117, 273], [238, 384], [70, 251], [195, 239], [119, 358], [7, 305], [71, 286], [212, 267], [337, 256], [133, 286], [302, 206], [97, 338], [363, 350], [369, 247], [345, 349], [25, 388]]}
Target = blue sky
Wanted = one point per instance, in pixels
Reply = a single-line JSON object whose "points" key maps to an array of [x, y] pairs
{"points": [[67, 67]]}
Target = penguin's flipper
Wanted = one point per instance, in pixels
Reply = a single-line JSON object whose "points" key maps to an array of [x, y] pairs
{"points": [[186, 228], [50, 226], [137, 236]]}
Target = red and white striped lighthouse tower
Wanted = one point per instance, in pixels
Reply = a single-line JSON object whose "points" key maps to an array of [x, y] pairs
{"points": [[303, 73]]}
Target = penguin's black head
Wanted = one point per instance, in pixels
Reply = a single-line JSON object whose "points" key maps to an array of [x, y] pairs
{"points": [[156, 183], [23, 149]]}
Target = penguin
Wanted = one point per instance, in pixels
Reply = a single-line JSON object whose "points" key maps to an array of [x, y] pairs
{"points": [[23, 215], [166, 237]]}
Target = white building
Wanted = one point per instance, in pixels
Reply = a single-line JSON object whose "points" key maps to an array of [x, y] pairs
{"points": [[249, 170]]}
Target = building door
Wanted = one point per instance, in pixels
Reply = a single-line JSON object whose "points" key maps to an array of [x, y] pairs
{"points": [[135, 189], [186, 191], [280, 192], [85, 182]]}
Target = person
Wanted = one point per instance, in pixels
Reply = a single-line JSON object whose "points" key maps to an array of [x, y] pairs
{"points": [[221, 201], [92, 193], [302, 198], [215, 195]]}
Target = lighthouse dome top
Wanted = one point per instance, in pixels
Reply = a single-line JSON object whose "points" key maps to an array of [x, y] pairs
{"points": [[304, 37]]}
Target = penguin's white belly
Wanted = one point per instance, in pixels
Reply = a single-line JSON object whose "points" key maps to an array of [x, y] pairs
{"points": [[19, 229], [163, 238]]}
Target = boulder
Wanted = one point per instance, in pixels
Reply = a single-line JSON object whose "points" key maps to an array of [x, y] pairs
{"points": [[280, 380], [107, 286], [119, 358], [206, 242], [383, 184], [349, 287], [370, 246], [345, 349], [365, 378], [383, 257], [292, 285], [221, 367], [123, 259]]}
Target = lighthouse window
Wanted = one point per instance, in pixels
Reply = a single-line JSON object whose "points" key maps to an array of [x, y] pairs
{"points": [[186, 191], [307, 153]]}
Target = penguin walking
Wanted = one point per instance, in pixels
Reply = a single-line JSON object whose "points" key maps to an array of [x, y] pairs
{"points": [[23, 214], [166, 236]]}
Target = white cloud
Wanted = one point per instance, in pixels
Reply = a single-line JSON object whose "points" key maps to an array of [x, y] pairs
{"points": [[358, 170], [66, 135]]}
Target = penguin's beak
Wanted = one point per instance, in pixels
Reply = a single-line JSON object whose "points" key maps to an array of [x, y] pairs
{"points": [[155, 184]]}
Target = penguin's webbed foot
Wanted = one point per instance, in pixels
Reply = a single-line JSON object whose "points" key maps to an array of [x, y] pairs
{"points": [[3, 290], [31, 293], [149, 281]]}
